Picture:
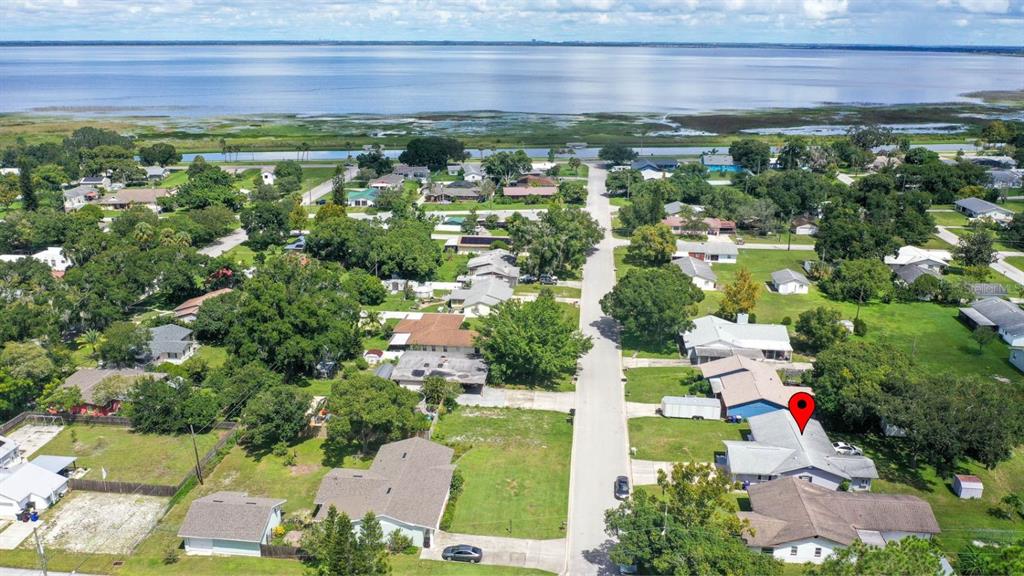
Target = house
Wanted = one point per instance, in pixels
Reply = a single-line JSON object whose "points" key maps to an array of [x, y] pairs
{"points": [[698, 270], [935, 260], [655, 164], [717, 226], [798, 522], [651, 174], [1003, 179], [720, 163], [470, 172], [1017, 358], [684, 227], [788, 281], [125, 198], [993, 161], [171, 343], [9, 452], [527, 191], [406, 487], [483, 295], [79, 196], [156, 173], [297, 246], [536, 181], [267, 177], [494, 264], [967, 487], [362, 198], [230, 524], [452, 192], [27, 486], [881, 162], [87, 380], [1002, 316], [387, 182], [977, 208], [712, 338], [434, 333], [777, 449], [373, 356], [471, 244], [747, 387], [95, 181], [804, 226], [413, 368], [62, 465], [673, 208], [53, 257], [909, 273], [724, 252], [187, 310], [421, 173]]}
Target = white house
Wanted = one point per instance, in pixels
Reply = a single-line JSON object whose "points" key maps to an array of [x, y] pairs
{"points": [[268, 177], [788, 281], [52, 257], [9, 453], [977, 208], [481, 297], [934, 260], [712, 338], [778, 449], [805, 226], [406, 487], [724, 252], [967, 487], [699, 272], [1017, 358], [230, 524], [26, 485], [798, 522], [1005, 317]]}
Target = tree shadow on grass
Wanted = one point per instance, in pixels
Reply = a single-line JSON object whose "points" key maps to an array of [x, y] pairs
{"points": [[895, 461]]}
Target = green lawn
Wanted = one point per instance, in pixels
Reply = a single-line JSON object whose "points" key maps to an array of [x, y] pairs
{"points": [[564, 171], [944, 218], [311, 177], [394, 302], [432, 207], [681, 440], [1015, 261], [242, 254], [451, 267], [127, 456], [620, 201], [998, 245], [961, 520], [215, 356], [175, 179], [936, 243], [779, 238], [516, 469], [649, 385], [636, 348], [559, 291]]}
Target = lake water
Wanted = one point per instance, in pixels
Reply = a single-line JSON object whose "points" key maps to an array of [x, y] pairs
{"points": [[313, 79]]}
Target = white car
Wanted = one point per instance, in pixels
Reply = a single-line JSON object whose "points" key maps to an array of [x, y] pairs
{"points": [[847, 449]]}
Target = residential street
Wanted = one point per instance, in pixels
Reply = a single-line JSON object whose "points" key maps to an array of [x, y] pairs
{"points": [[599, 452], [225, 243], [323, 188]]}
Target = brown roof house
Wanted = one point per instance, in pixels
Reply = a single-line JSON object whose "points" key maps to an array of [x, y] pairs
{"points": [[94, 399], [125, 198], [230, 524], [187, 310], [434, 333], [748, 387], [406, 487], [799, 522]]}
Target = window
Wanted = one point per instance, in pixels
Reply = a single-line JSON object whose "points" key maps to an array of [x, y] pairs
{"points": [[792, 550], [817, 552], [767, 550], [807, 478]]}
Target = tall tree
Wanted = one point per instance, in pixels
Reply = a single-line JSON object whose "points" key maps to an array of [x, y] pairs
{"points": [[651, 246], [124, 344], [820, 328], [368, 411], [859, 281], [653, 304], [751, 154], [976, 248], [909, 556], [507, 166], [272, 416], [617, 154], [740, 295], [26, 187], [338, 195], [434, 152]]}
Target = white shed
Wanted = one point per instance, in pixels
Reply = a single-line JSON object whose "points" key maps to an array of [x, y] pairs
{"points": [[787, 281], [693, 407], [967, 487]]}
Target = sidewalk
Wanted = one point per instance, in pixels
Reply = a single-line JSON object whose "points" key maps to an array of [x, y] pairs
{"points": [[493, 397]]}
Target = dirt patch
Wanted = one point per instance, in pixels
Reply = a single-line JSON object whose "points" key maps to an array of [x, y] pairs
{"points": [[98, 523], [303, 469]]}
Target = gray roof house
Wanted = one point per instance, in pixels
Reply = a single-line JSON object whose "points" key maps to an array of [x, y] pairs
{"points": [[1002, 179], [1004, 317], [406, 487], [87, 379], [908, 273], [494, 263], [777, 448], [726, 252], [415, 366], [978, 208], [230, 523], [788, 281], [801, 522], [171, 343], [478, 299], [698, 270], [712, 338], [717, 160], [156, 172]]}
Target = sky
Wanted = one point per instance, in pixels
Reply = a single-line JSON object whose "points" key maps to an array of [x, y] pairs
{"points": [[902, 22]]}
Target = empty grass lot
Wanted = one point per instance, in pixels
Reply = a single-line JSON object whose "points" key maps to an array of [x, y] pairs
{"points": [[945, 218], [559, 291], [129, 456], [516, 469], [681, 440], [960, 520], [242, 255], [451, 267], [649, 385]]}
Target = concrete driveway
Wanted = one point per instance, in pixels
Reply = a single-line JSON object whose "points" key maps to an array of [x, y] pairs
{"points": [[31, 437], [492, 397], [1011, 272], [646, 471], [546, 555], [15, 534], [225, 243], [640, 410]]}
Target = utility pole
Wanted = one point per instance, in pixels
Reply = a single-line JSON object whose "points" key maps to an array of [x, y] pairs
{"points": [[195, 450], [39, 551]]}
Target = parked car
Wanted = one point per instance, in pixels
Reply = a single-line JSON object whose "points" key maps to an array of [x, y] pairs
{"points": [[621, 488], [527, 279], [548, 279], [463, 553], [847, 449]]}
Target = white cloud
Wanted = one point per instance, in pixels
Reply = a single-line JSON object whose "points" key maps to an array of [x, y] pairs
{"points": [[823, 9], [985, 6], [961, 22]]}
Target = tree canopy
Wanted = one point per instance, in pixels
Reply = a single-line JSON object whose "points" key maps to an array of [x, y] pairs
{"points": [[434, 152], [367, 411], [653, 304]]}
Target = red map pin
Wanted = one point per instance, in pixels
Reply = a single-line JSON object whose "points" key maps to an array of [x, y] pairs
{"points": [[801, 406]]}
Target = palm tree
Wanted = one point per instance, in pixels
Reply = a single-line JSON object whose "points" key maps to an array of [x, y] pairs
{"points": [[182, 239], [143, 232], [304, 147], [92, 338], [167, 237]]}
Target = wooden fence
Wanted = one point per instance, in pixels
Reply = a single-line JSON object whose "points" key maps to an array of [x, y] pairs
{"points": [[122, 487], [289, 552]]}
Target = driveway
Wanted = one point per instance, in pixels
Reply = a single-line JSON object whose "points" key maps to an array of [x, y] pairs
{"points": [[641, 410], [32, 437], [225, 243], [546, 555], [1011, 272], [492, 397], [947, 236], [323, 188], [599, 448], [645, 472], [15, 534]]}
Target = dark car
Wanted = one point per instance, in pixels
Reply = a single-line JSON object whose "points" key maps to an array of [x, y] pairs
{"points": [[527, 279], [548, 279], [463, 553], [621, 488]]}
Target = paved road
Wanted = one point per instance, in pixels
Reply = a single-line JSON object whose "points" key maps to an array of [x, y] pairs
{"points": [[324, 188], [947, 236], [225, 243], [1011, 272], [599, 451]]}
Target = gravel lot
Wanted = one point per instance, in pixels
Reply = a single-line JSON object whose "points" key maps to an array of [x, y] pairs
{"points": [[99, 523]]}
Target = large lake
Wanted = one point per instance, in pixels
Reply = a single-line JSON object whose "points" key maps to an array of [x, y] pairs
{"points": [[312, 79]]}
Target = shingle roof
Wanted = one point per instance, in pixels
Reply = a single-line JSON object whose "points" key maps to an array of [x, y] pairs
{"points": [[717, 160], [740, 380], [715, 331], [789, 509], [86, 379], [778, 447], [192, 305], [915, 255], [1007, 316], [436, 330], [408, 481], [135, 196], [169, 338], [232, 516], [417, 366], [713, 248], [489, 291], [389, 180], [523, 191], [908, 273], [695, 268], [780, 277], [493, 262], [979, 206]]}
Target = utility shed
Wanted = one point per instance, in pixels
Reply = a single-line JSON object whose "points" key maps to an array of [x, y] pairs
{"points": [[967, 487], [693, 407]]}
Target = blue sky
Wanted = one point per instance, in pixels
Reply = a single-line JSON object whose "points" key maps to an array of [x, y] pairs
{"points": [[977, 22]]}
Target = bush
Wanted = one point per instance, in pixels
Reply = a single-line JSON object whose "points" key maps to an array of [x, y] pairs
{"points": [[398, 542], [280, 449], [170, 555], [787, 321], [361, 363], [860, 328]]}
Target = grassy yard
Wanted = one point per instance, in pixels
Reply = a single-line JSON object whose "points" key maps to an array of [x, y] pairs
{"points": [[649, 385], [215, 356], [636, 348], [393, 302], [128, 456], [1015, 261], [451, 267], [565, 171], [779, 238], [681, 440], [466, 206], [936, 243], [175, 179], [559, 291], [242, 254], [619, 201], [516, 469], [961, 520], [944, 218], [998, 245]]}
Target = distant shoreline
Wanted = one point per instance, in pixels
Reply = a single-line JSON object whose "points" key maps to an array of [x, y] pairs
{"points": [[1003, 50]]}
